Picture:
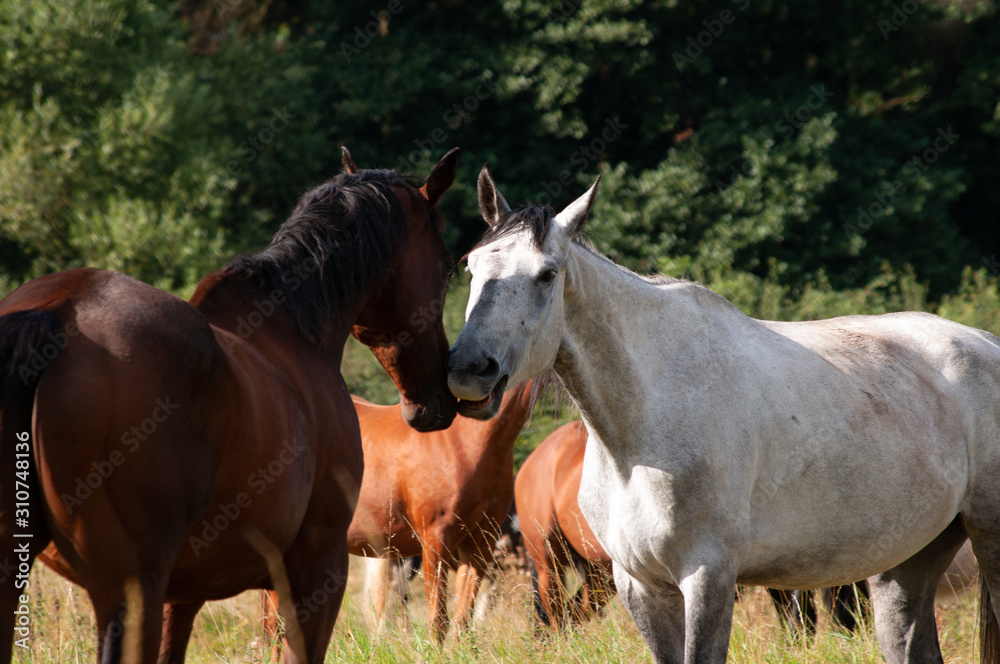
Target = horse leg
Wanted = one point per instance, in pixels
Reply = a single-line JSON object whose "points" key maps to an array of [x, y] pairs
{"points": [[378, 572], [545, 574], [786, 608], [594, 590], [985, 537], [602, 586], [708, 613], [486, 602], [579, 604], [796, 610], [270, 626], [318, 579], [129, 612], [903, 599], [544, 589], [474, 568], [178, 621], [849, 603], [436, 586], [658, 613]]}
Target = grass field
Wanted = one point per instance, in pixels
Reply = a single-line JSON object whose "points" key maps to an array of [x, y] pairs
{"points": [[63, 629], [63, 632]]}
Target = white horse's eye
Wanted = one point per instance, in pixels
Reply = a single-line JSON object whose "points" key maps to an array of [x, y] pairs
{"points": [[547, 277]]}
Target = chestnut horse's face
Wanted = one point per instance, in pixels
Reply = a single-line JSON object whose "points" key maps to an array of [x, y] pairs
{"points": [[402, 322]]}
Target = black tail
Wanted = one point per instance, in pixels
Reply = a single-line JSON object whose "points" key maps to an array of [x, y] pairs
{"points": [[29, 342], [989, 631], [26, 339]]}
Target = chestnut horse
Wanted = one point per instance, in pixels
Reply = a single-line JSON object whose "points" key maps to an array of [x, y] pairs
{"points": [[163, 436], [442, 495], [556, 534]]}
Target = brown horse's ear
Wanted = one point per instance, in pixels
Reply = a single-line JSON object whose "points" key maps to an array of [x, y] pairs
{"points": [[349, 164], [441, 178], [491, 201]]}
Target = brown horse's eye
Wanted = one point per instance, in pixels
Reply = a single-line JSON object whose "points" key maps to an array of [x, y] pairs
{"points": [[547, 277]]}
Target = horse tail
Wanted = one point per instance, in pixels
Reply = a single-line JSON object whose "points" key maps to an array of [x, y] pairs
{"points": [[24, 336], [29, 341], [989, 631]]}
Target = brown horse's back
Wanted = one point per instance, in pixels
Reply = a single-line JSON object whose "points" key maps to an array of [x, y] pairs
{"points": [[546, 490], [106, 430]]}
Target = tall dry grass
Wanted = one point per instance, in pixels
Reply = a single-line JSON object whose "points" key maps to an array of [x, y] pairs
{"points": [[63, 632]]}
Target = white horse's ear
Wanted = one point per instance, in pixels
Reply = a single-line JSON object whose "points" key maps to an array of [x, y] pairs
{"points": [[491, 201], [570, 220]]}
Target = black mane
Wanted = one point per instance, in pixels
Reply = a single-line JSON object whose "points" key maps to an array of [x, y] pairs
{"points": [[531, 217], [341, 236]]}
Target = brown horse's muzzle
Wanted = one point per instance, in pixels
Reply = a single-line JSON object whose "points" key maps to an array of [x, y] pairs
{"points": [[432, 414]]}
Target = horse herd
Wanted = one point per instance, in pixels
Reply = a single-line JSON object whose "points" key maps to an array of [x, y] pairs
{"points": [[162, 453]]}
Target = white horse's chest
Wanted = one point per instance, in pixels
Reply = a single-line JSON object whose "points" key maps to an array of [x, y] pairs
{"points": [[637, 515]]}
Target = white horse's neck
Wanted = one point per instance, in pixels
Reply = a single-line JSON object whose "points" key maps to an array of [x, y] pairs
{"points": [[622, 329]]}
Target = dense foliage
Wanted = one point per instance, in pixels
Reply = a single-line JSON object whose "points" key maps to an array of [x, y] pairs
{"points": [[805, 159]]}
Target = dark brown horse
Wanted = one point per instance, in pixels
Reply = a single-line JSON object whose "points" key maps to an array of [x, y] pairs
{"points": [[555, 533], [163, 436]]}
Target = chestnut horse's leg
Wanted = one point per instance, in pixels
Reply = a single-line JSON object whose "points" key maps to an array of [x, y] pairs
{"points": [[595, 590], [436, 585], [796, 610], [470, 576], [270, 627], [378, 577], [550, 557], [547, 577]]}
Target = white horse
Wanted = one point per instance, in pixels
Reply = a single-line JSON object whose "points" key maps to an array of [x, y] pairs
{"points": [[729, 450]]}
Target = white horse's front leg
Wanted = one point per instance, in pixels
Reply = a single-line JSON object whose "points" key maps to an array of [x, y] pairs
{"points": [[658, 612], [709, 595]]}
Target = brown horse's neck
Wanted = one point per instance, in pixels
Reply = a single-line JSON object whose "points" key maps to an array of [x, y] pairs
{"points": [[255, 314], [515, 411]]}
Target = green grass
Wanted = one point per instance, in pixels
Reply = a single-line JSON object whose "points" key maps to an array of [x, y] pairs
{"points": [[63, 629], [228, 632]]}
